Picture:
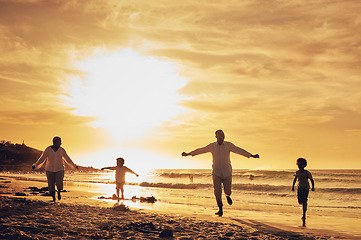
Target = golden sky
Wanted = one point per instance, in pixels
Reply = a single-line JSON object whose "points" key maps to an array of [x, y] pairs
{"points": [[147, 80]]}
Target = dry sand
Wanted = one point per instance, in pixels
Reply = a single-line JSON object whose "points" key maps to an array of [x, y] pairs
{"points": [[27, 218]]}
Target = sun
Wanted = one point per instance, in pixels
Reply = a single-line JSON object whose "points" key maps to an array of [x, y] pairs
{"points": [[127, 93]]}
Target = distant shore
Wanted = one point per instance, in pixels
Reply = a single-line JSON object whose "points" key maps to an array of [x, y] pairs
{"points": [[29, 218]]}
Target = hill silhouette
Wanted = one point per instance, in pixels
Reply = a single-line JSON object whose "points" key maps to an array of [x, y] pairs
{"points": [[19, 157]]}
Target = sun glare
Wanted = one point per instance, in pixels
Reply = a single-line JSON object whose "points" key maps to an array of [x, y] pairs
{"points": [[127, 93]]}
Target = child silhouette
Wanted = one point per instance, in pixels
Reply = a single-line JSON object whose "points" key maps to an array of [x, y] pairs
{"points": [[303, 189], [120, 171]]}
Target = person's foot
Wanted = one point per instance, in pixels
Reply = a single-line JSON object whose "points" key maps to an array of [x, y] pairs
{"points": [[59, 196], [53, 195], [229, 200], [220, 212]]}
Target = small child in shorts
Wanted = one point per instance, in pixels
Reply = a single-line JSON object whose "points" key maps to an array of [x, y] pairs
{"points": [[120, 171], [303, 189]]}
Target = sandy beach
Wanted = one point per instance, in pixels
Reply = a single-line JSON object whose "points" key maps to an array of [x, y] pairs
{"points": [[26, 217], [21, 218]]}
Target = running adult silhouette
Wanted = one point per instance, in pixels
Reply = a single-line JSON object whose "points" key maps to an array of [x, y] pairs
{"points": [[221, 167], [54, 156]]}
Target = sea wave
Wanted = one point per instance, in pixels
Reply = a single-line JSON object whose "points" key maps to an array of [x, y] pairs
{"points": [[184, 175], [249, 187], [244, 187], [237, 173], [342, 190], [278, 187], [175, 185]]}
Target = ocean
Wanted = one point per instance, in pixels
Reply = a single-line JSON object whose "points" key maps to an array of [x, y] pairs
{"points": [[261, 195]]}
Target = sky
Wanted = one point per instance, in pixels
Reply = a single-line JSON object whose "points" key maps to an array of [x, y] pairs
{"points": [[147, 80]]}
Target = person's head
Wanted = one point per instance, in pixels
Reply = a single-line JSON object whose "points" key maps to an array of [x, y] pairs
{"points": [[56, 141], [220, 136], [301, 163], [120, 161]]}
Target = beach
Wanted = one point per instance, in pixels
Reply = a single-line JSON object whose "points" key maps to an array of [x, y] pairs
{"points": [[22, 218], [75, 217]]}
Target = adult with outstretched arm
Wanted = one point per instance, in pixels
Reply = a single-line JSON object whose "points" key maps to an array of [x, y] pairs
{"points": [[221, 167], [54, 156]]}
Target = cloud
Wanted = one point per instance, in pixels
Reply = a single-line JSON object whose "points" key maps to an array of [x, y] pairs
{"points": [[46, 117], [270, 68]]}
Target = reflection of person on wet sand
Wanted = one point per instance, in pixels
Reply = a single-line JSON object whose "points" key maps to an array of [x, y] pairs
{"points": [[222, 168], [55, 156], [303, 185], [120, 171]]}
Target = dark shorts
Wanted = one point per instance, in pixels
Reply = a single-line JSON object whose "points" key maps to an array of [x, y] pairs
{"points": [[119, 185], [302, 195]]}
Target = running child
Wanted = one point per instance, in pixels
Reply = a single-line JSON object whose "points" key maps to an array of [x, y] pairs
{"points": [[120, 171], [303, 189]]}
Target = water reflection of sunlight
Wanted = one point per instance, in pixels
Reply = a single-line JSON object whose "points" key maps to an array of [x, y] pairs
{"points": [[129, 191], [106, 175], [104, 183]]}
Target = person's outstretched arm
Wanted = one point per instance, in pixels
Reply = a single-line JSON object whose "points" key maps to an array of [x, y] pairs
{"points": [[41, 159], [242, 152], [110, 168], [198, 151], [68, 159], [131, 171], [293, 184]]}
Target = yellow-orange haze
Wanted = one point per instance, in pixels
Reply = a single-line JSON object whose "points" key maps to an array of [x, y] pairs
{"points": [[150, 79]]}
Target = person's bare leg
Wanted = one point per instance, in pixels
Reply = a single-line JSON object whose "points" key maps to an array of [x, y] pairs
{"points": [[118, 192], [217, 184], [227, 183], [122, 190], [304, 208]]}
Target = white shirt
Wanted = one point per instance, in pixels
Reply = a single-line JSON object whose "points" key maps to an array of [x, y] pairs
{"points": [[221, 166], [55, 162]]}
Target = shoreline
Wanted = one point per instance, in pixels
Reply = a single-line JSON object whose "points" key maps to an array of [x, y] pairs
{"points": [[71, 212]]}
